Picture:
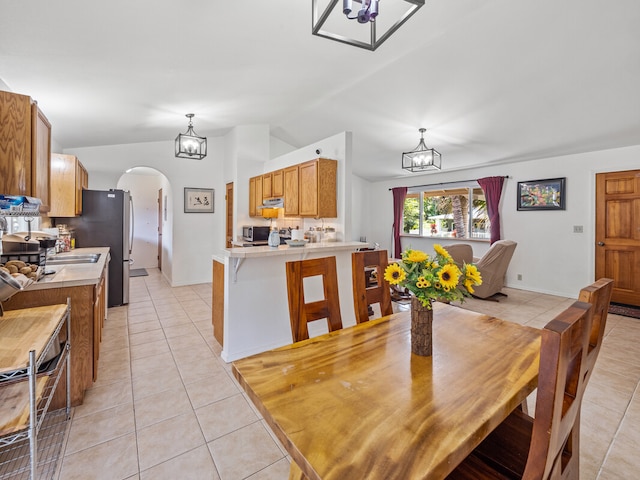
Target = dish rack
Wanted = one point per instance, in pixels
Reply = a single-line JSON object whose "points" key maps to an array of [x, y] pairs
{"points": [[31, 438]]}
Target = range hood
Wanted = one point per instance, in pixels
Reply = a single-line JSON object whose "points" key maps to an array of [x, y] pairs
{"points": [[273, 203]]}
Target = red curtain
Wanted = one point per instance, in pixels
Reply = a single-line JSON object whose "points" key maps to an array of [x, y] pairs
{"points": [[399, 194], [492, 188]]}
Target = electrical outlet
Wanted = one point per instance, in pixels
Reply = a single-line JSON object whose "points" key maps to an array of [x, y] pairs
{"points": [[519, 276], [578, 229]]}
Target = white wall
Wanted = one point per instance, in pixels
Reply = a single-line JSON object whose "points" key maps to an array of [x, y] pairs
{"points": [[336, 147], [550, 257], [195, 235]]}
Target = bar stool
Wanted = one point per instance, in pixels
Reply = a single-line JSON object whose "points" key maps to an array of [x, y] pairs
{"points": [[365, 291], [300, 312]]}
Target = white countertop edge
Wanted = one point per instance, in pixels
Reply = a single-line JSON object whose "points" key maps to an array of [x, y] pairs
{"points": [[251, 252], [74, 275]]}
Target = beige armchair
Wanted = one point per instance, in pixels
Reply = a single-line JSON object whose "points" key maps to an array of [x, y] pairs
{"points": [[460, 252], [493, 268]]}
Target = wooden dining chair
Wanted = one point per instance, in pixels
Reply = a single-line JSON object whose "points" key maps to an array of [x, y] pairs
{"points": [[300, 312], [547, 446], [598, 295], [365, 293]]}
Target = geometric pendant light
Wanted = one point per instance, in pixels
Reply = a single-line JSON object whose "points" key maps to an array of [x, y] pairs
{"points": [[189, 144], [373, 25], [422, 157]]}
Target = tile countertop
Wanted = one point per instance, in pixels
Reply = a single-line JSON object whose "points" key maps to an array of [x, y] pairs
{"points": [[251, 252], [73, 275]]}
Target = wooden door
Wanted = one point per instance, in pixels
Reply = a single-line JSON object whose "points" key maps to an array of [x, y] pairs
{"points": [[161, 207], [618, 233], [229, 220]]}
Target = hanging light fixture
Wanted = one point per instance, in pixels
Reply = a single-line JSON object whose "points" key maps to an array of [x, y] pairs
{"points": [[366, 14], [422, 157], [189, 144]]}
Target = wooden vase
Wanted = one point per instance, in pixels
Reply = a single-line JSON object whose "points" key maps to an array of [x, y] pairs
{"points": [[421, 328]]}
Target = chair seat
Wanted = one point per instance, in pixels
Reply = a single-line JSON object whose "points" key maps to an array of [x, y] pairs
{"points": [[506, 449]]}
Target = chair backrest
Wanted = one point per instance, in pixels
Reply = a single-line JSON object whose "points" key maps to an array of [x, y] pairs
{"points": [[300, 312], [598, 295], [493, 267], [364, 292], [561, 384], [461, 253]]}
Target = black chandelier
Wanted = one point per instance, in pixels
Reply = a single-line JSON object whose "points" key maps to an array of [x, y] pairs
{"points": [[333, 29], [189, 144], [422, 157]]}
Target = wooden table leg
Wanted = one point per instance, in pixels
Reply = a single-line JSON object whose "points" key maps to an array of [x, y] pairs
{"points": [[295, 473]]}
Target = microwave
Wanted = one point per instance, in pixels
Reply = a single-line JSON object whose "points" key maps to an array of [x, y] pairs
{"points": [[252, 233]]}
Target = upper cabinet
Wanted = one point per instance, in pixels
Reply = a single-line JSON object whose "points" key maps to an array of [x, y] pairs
{"points": [[68, 179], [255, 196], [277, 184], [317, 181], [309, 189], [291, 188], [267, 185], [25, 150]]}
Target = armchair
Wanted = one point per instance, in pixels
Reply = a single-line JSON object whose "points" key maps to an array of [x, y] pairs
{"points": [[493, 268]]}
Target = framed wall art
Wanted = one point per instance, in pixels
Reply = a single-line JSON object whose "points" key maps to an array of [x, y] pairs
{"points": [[198, 200], [546, 194]]}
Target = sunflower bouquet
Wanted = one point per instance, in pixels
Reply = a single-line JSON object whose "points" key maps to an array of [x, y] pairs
{"points": [[433, 278]]}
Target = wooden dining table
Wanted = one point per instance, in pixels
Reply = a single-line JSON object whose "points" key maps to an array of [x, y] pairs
{"points": [[357, 404]]}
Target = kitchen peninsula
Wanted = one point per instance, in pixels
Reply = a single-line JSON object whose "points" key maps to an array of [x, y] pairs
{"points": [[250, 309], [85, 285]]}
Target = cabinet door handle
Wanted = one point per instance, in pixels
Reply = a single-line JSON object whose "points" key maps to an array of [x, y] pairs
{"points": [[601, 244]]}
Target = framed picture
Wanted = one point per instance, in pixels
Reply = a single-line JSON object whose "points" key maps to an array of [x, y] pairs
{"points": [[546, 194], [198, 200]]}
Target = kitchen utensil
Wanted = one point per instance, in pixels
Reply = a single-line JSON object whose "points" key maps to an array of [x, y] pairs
{"points": [[274, 238], [15, 242], [296, 243]]}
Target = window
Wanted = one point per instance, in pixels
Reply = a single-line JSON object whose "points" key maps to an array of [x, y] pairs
{"points": [[459, 212]]}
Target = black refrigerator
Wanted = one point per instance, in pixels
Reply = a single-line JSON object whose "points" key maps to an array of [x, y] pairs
{"points": [[107, 221]]}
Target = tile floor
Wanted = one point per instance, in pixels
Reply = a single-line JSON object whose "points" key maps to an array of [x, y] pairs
{"points": [[165, 405]]}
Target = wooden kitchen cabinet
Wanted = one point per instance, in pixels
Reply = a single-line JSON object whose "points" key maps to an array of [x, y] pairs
{"points": [[277, 184], [217, 301], [267, 184], [25, 150], [255, 196], [291, 187], [68, 179], [87, 319], [317, 183]]}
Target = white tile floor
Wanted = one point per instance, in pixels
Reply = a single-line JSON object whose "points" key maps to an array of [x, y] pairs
{"points": [[165, 405]]}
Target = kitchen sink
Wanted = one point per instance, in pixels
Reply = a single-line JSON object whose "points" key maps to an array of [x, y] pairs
{"points": [[71, 259]]}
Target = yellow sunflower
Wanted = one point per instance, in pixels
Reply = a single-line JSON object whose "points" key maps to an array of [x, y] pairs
{"points": [[473, 274], [394, 274], [423, 283], [415, 256], [449, 275], [468, 284], [441, 251]]}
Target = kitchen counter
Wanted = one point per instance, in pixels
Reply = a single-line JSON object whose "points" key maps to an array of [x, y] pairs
{"points": [[73, 275], [85, 285], [250, 308], [265, 251]]}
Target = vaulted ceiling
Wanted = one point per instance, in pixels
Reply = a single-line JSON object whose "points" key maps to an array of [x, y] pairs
{"points": [[492, 81]]}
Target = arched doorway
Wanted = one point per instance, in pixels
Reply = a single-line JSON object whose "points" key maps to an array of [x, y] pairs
{"points": [[152, 213]]}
